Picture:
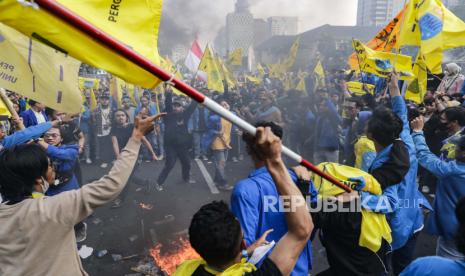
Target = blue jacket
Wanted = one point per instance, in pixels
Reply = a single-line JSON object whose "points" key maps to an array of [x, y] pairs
{"points": [[86, 117], [327, 129], [22, 136], [64, 157], [450, 189], [29, 118], [400, 202], [248, 201], [196, 118], [434, 266]]}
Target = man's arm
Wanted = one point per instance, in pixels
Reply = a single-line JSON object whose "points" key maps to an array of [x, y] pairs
{"points": [[425, 157], [72, 207], [114, 142], [27, 134], [298, 220]]}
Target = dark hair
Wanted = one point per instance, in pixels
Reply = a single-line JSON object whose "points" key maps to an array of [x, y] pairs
{"points": [[250, 139], [31, 102], [215, 233], [114, 116], [456, 113], [384, 126], [20, 166], [460, 214]]}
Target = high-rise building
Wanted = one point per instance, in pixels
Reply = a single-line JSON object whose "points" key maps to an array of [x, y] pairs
{"points": [[375, 12], [283, 25], [239, 28]]}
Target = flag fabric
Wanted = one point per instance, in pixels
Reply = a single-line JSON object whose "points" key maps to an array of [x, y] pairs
{"points": [[429, 25], [169, 66], [226, 74], [320, 75], [360, 89], [4, 109], [261, 70], [140, 33], [235, 58], [384, 41], [194, 56], [416, 89], [383, 63], [209, 65], [38, 72], [115, 92], [292, 56], [300, 81], [93, 100], [253, 79], [87, 83]]}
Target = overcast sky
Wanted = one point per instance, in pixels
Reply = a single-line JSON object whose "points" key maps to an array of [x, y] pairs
{"points": [[206, 17]]}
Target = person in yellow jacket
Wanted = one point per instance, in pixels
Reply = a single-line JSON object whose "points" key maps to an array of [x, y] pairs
{"points": [[217, 236]]}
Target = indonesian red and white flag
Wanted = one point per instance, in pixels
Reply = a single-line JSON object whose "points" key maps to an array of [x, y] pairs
{"points": [[193, 59]]}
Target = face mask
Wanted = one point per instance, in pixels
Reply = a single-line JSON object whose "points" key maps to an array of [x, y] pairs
{"points": [[45, 185]]}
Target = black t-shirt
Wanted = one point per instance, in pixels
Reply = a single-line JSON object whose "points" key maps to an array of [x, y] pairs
{"points": [[268, 268], [122, 134]]}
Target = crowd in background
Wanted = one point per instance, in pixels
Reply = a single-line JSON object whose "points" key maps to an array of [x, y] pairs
{"points": [[325, 123]]}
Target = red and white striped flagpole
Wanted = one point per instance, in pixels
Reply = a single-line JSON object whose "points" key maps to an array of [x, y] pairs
{"points": [[72, 19]]}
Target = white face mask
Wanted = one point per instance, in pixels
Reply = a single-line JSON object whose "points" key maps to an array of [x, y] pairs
{"points": [[45, 185]]}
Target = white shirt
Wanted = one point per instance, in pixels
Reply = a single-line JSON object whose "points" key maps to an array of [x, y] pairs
{"points": [[39, 116]]}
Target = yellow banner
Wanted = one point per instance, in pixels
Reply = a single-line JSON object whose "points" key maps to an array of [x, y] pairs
{"points": [[432, 27], [209, 65], [88, 83], [38, 72], [135, 23], [383, 63], [235, 58], [416, 89], [360, 89], [384, 41]]}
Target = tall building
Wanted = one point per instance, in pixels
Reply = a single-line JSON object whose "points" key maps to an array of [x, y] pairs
{"points": [[375, 12], [283, 25], [239, 28]]}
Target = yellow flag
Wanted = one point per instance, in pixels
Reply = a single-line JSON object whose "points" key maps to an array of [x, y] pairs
{"points": [[168, 65], [320, 75], [260, 69], [360, 89], [301, 81], [115, 18], [416, 89], [432, 27], [38, 72], [290, 60], [93, 100], [235, 58], [209, 65], [384, 41], [4, 109], [383, 63], [226, 74], [254, 80], [87, 83]]}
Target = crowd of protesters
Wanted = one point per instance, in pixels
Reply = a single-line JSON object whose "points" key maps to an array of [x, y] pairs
{"points": [[410, 150]]}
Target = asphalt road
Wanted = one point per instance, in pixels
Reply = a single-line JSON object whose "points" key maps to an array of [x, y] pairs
{"points": [[130, 231]]}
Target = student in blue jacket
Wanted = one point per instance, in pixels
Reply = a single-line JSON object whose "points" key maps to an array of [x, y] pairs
{"points": [[439, 266], [252, 197], [401, 202], [450, 189]]}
